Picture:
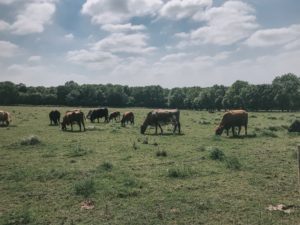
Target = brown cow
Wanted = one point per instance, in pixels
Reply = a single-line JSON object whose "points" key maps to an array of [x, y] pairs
{"points": [[5, 118], [127, 117], [232, 119], [71, 117], [161, 117], [114, 115]]}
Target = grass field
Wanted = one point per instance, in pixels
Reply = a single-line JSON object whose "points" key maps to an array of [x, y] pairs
{"points": [[129, 178]]}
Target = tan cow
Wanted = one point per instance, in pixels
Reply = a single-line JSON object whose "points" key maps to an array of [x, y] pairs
{"points": [[232, 119], [5, 118]]}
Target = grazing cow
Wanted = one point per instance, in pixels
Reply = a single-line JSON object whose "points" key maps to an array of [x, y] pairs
{"points": [[114, 115], [162, 117], [127, 117], [5, 118], [98, 113], [72, 117], [295, 126], [54, 117], [232, 119]]}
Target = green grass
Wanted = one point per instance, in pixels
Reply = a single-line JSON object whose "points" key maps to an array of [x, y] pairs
{"points": [[147, 179]]}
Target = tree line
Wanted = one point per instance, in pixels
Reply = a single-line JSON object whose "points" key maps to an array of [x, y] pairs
{"points": [[282, 94]]}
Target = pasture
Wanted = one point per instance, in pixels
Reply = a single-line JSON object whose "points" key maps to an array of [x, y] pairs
{"points": [[50, 177]]}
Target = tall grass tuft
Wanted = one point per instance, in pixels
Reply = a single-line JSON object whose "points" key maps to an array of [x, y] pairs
{"points": [[179, 172], [85, 187], [217, 154]]}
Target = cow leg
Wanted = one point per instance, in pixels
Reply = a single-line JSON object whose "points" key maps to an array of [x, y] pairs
{"points": [[71, 126], [178, 125], [227, 132], [161, 130], [79, 124], [239, 130], [246, 130], [232, 128], [155, 128]]}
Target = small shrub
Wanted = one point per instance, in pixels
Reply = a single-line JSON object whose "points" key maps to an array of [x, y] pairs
{"points": [[85, 187], [179, 172], [162, 153], [253, 116], [217, 154], [31, 140], [21, 217], [77, 152], [233, 163], [107, 166]]}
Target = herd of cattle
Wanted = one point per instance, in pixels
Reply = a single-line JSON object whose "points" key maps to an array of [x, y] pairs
{"points": [[231, 119]]}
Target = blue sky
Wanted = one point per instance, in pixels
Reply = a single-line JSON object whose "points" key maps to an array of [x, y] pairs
{"points": [[172, 43]]}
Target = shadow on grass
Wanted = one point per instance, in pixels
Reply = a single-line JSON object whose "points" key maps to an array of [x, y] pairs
{"points": [[243, 136]]}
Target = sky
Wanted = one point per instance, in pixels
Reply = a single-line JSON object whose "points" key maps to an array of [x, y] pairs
{"points": [[172, 43]]}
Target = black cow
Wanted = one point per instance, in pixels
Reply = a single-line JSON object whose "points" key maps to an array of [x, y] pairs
{"points": [[161, 117], [98, 113], [295, 126], [54, 117]]}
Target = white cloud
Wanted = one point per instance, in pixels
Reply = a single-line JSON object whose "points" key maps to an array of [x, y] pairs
{"points": [[8, 49], [286, 36], [4, 25], [179, 9], [227, 24], [119, 11], [6, 2], [124, 43], [34, 58], [34, 17], [69, 36], [122, 27], [174, 57]]}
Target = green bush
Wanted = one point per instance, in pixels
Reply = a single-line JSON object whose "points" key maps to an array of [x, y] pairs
{"points": [[85, 187], [107, 166], [217, 154], [179, 172], [162, 153]]}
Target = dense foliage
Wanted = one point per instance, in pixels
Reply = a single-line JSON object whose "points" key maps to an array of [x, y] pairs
{"points": [[282, 94]]}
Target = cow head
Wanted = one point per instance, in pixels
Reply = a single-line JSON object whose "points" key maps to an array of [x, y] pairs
{"points": [[143, 129], [64, 123], [219, 130]]}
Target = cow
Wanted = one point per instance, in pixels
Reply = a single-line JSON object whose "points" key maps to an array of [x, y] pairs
{"points": [[5, 118], [295, 126], [72, 117], [160, 117], [114, 115], [98, 113], [232, 119], [54, 117], [127, 117]]}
